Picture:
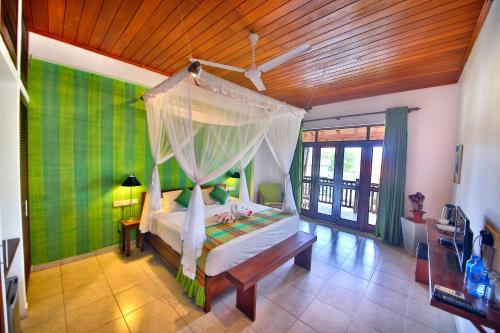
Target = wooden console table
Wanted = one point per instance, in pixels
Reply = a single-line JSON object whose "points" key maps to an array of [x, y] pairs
{"points": [[442, 274]]}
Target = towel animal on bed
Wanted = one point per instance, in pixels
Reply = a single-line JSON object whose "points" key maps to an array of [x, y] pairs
{"points": [[234, 213]]}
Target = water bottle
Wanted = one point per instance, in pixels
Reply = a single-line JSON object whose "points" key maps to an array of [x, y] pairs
{"points": [[468, 264], [477, 279]]}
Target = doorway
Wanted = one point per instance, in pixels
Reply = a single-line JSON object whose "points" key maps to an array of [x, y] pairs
{"points": [[341, 175]]}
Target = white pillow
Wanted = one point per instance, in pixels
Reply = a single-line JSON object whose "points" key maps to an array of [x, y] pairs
{"points": [[168, 201], [207, 199]]}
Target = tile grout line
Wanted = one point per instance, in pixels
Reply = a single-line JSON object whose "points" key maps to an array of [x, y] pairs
{"points": [[64, 303], [113, 294]]}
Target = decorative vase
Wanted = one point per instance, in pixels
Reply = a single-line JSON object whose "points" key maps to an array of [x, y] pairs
{"points": [[418, 215]]}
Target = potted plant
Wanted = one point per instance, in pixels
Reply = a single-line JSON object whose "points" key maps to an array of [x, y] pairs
{"points": [[417, 203]]}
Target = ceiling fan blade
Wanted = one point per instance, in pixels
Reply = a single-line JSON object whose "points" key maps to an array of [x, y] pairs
{"points": [[267, 66], [257, 82], [215, 64]]}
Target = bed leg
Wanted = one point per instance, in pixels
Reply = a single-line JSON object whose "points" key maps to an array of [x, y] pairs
{"points": [[303, 259], [208, 295]]}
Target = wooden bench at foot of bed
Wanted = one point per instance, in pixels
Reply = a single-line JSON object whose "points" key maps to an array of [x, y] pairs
{"points": [[246, 275]]}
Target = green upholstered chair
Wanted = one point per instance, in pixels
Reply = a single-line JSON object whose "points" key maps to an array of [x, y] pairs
{"points": [[270, 194]]}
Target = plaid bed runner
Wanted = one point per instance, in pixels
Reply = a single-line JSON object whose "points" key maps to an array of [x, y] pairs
{"points": [[222, 233]]}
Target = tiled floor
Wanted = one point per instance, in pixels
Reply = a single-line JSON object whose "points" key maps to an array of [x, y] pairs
{"points": [[356, 284]]}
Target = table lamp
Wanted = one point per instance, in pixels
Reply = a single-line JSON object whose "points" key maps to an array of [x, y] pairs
{"points": [[131, 181]]}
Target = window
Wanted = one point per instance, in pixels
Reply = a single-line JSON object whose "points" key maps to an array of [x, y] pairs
{"points": [[345, 134], [309, 136], [377, 132]]}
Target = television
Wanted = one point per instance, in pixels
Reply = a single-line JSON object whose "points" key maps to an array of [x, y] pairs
{"points": [[462, 237]]}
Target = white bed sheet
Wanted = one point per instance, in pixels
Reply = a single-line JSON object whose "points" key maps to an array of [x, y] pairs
{"points": [[168, 227]]}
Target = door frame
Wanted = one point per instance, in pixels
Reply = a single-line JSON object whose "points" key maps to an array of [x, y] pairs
{"points": [[364, 185]]}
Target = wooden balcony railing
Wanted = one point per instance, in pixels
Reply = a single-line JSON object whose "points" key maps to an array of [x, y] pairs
{"points": [[349, 194]]}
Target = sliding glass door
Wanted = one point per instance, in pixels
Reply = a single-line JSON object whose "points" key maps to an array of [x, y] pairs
{"points": [[340, 182]]}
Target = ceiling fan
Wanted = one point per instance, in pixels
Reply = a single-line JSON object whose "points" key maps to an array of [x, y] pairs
{"points": [[253, 72]]}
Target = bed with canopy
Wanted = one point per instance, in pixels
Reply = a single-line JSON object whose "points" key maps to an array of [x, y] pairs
{"points": [[211, 125]]}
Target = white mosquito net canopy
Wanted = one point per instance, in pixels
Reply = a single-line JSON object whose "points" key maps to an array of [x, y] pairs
{"points": [[211, 125]]}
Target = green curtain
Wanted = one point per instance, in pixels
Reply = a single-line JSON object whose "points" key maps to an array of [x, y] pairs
{"points": [[392, 185], [296, 173]]}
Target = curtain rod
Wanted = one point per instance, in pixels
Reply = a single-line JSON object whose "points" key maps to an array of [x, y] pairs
{"points": [[356, 115]]}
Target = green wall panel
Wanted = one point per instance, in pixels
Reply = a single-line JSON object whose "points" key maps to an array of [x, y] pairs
{"points": [[87, 133]]}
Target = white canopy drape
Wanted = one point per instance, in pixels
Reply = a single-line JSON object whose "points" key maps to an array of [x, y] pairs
{"points": [[210, 128], [284, 129]]}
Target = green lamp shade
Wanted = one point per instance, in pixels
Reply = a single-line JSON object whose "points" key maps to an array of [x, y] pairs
{"points": [[131, 181], [236, 175]]}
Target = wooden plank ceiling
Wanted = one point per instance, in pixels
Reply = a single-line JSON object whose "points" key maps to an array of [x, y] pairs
{"points": [[359, 48]]}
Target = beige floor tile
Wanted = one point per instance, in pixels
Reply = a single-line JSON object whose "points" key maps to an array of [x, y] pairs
{"points": [[389, 299], [378, 317], [93, 315], [358, 327], [270, 318], [77, 279], [246, 329], [363, 258], [301, 327], [220, 319], [286, 270], [270, 283], [400, 271], [340, 298], [40, 290], [431, 317], [419, 292], [46, 274], [145, 289], [79, 265], [55, 323], [321, 269], [115, 326], [43, 310], [120, 280], [398, 257], [291, 298], [332, 259], [111, 259], [370, 247], [347, 281], [412, 326], [157, 316], [229, 298], [357, 269], [133, 298], [306, 281], [391, 282], [347, 240], [324, 318], [86, 294]]}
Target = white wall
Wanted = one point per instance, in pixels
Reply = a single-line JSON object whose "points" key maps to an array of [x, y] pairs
{"points": [[54, 51], [479, 131], [431, 136]]}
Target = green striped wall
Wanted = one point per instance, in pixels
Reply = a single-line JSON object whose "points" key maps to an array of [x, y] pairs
{"points": [[86, 133]]}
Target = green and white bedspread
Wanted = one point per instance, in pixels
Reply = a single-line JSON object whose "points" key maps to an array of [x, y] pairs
{"points": [[219, 234]]}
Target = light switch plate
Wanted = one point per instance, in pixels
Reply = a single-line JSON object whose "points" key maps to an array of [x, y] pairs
{"points": [[126, 202]]}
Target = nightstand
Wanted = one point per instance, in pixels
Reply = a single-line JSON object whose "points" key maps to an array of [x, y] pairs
{"points": [[126, 226]]}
